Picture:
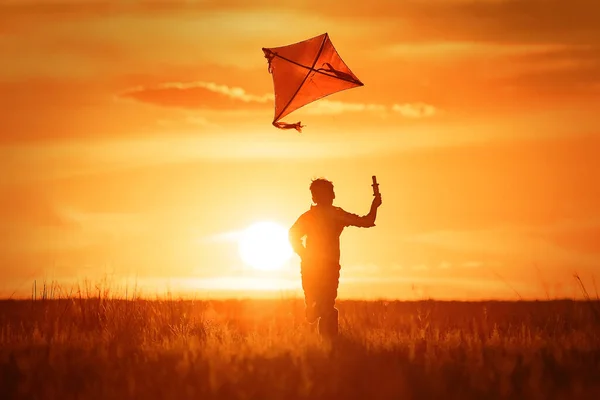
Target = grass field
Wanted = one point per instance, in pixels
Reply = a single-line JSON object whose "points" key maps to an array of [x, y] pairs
{"points": [[102, 348]]}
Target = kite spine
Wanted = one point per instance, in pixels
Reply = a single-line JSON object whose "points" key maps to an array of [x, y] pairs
{"points": [[337, 74], [303, 81]]}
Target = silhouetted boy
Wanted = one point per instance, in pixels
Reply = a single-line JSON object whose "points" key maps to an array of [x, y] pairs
{"points": [[320, 265]]}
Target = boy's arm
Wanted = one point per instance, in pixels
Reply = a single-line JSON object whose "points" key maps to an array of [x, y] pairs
{"points": [[366, 221], [296, 233]]}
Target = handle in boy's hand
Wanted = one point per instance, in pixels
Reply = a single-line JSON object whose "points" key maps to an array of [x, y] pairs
{"points": [[375, 186]]}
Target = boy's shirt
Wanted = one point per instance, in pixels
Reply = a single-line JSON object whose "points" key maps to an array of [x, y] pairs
{"points": [[322, 226]]}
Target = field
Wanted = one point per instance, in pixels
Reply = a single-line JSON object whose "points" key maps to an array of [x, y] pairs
{"points": [[102, 348]]}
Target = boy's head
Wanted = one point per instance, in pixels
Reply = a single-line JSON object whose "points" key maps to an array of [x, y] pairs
{"points": [[322, 191]]}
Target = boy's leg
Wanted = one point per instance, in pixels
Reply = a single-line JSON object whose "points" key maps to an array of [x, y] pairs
{"points": [[310, 299], [328, 324], [311, 310]]}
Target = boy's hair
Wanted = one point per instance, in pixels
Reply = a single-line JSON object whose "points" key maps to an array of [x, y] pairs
{"points": [[320, 185]]}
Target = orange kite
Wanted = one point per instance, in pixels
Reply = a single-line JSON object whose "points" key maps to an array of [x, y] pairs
{"points": [[304, 72]]}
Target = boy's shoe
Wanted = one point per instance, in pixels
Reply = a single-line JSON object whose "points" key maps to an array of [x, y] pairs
{"points": [[328, 325]]}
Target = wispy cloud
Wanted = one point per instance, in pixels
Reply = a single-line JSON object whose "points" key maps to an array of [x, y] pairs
{"points": [[415, 110], [408, 110], [333, 107], [220, 96], [232, 92], [197, 94]]}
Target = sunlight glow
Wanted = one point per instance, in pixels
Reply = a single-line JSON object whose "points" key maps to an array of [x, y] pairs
{"points": [[265, 246]]}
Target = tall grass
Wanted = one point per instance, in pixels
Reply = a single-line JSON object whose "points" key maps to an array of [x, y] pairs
{"points": [[92, 345]]}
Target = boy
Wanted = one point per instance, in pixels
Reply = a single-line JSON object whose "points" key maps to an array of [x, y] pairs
{"points": [[320, 257]]}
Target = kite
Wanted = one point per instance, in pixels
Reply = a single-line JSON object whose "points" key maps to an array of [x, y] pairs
{"points": [[304, 72]]}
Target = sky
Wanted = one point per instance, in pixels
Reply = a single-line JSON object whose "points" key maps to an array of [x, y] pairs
{"points": [[136, 140]]}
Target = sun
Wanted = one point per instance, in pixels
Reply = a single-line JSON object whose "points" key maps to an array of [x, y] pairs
{"points": [[265, 246]]}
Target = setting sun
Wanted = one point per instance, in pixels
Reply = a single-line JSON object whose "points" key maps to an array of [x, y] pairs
{"points": [[265, 246]]}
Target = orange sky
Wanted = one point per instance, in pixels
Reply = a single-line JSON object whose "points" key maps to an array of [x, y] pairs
{"points": [[126, 148]]}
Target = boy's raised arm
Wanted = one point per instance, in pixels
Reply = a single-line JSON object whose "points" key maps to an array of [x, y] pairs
{"points": [[366, 221]]}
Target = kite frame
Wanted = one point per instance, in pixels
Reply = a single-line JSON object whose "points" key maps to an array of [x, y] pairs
{"points": [[319, 71], [273, 54]]}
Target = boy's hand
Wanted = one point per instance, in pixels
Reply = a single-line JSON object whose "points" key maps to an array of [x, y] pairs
{"points": [[377, 201]]}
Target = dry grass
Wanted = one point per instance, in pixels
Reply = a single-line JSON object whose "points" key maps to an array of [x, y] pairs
{"points": [[101, 348]]}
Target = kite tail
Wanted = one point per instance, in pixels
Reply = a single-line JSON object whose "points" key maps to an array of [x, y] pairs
{"points": [[283, 125]]}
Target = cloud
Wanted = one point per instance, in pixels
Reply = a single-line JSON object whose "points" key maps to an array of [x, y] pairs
{"points": [[196, 95], [409, 110], [218, 96], [415, 110], [231, 92], [333, 107]]}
